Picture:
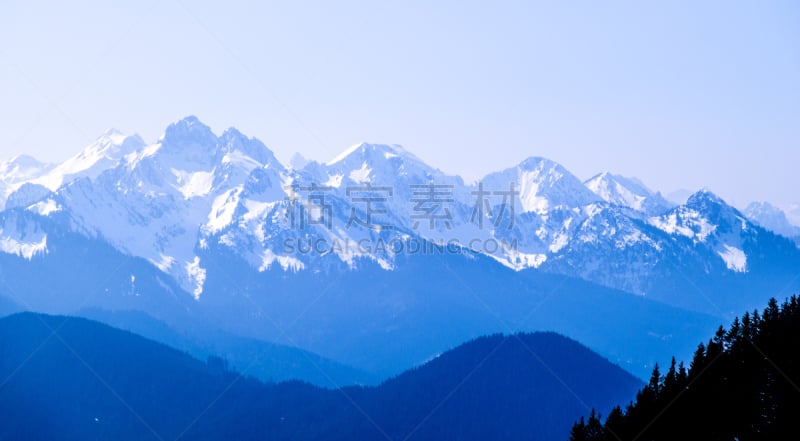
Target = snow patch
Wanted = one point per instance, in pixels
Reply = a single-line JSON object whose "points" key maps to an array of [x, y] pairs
{"points": [[735, 259], [27, 250], [385, 264], [633, 238], [286, 262], [529, 190], [256, 209], [361, 175], [222, 210], [561, 240], [197, 275], [240, 159], [133, 158], [519, 261], [192, 184], [164, 263], [334, 181], [45, 208], [690, 224]]}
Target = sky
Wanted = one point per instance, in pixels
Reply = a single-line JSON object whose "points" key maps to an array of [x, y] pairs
{"points": [[681, 94]]}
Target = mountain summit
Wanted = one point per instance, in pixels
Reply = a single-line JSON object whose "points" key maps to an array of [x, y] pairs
{"points": [[627, 192], [772, 218], [543, 185]]}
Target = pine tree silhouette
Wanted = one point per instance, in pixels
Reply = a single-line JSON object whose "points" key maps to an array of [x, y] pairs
{"points": [[742, 384]]}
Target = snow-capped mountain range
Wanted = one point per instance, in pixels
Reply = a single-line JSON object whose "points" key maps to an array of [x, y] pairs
{"points": [[166, 200], [374, 259]]}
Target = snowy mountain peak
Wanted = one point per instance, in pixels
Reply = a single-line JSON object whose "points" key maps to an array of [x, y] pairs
{"points": [[235, 146], [715, 210], [113, 144], [540, 163], [704, 215], [161, 198], [707, 219], [189, 145], [771, 218], [21, 167], [371, 152], [188, 135], [610, 186], [111, 131], [764, 209], [373, 163], [16, 171], [189, 122], [24, 161], [114, 140], [104, 153], [627, 192], [542, 185], [705, 199]]}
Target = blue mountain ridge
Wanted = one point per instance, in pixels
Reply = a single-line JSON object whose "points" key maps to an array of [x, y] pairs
{"points": [[71, 378]]}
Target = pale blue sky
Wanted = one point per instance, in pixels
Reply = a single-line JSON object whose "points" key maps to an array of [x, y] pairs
{"points": [[679, 94]]}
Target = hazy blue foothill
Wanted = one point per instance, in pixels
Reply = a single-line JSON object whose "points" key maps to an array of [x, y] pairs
{"points": [[92, 381]]}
